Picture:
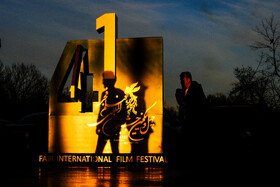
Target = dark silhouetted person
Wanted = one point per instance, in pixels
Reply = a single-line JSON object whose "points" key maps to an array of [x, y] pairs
{"points": [[191, 100], [192, 112], [112, 114]]}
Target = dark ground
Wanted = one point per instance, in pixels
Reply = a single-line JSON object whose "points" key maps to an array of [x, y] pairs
{"points": [[24, 172], [236, 147]]}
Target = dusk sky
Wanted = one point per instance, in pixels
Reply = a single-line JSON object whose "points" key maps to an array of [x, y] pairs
{"points": [[208, 38]]}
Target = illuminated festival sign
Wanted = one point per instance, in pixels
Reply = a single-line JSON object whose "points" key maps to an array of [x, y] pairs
{"points": [[115, 103], [102, 159]]}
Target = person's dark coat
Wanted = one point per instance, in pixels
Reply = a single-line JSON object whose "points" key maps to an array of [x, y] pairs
{"points": [[193, 104]]}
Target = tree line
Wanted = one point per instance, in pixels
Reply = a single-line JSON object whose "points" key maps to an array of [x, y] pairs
{"points": [[23, 90], [259, 85]]}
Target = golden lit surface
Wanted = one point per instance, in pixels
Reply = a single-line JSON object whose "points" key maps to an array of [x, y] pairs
{"points": [[107, 22], [138, 60], [102, 176]]}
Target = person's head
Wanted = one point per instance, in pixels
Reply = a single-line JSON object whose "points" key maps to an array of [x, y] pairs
{"points": [[109, 79], [186, 79]]}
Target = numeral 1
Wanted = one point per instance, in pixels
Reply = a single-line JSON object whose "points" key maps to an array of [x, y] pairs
{"points": [[107, 23]]}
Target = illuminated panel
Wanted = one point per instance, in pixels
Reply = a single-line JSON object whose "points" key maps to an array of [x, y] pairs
{"points": [[138, 75]]}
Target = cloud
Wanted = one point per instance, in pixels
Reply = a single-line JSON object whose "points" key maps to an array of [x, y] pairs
{"points": [[260, 8]]}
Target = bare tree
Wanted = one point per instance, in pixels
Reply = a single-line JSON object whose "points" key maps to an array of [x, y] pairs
{"points": [[23, 90], [261, 85], [269, 45], [25, 84], [252, 87]]}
